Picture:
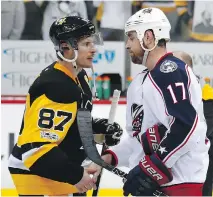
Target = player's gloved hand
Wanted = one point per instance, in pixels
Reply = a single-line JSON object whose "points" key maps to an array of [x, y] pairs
{"points": [[113, 132], [147, 177], [152, 137]]}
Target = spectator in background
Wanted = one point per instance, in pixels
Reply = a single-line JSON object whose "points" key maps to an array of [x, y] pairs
{"points": [[99, 13], [187, 19], [34, 18], [12, 19], [205, 26], [115, 14], [181, 28], [90, 10], [59, 9]]}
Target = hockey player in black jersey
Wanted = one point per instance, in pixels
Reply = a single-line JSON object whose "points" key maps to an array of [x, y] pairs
{"points": [[47, 157]]}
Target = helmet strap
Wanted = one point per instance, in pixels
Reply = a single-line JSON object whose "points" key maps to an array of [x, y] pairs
{"points": [[146, 53], [73, 61]]}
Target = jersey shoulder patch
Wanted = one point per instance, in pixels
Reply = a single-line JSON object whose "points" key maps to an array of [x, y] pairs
{"points": [[168, 66], [171, 68]]}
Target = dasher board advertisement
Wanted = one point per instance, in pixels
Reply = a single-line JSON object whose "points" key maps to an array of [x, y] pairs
{"points": [[22, 61]]}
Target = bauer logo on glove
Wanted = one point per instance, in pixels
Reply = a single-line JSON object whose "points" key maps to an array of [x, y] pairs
{"points": [[150, 139]]}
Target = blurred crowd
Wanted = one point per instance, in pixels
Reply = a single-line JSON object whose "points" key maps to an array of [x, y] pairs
{"points": [[30, 20]]}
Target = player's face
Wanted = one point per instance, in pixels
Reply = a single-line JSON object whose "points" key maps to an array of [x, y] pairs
{"points": [[134, 48], [86, 52]]}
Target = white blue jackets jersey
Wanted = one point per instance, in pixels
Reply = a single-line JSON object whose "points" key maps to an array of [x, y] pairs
{"points": [[129, 152], [170, 95]]}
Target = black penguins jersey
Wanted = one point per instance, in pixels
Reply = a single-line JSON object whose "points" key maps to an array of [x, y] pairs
{"points": [[49, 145]]}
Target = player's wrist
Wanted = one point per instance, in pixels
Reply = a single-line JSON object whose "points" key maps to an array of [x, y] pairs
{"points": [[107, 158], [75, 175], [110, 157]]}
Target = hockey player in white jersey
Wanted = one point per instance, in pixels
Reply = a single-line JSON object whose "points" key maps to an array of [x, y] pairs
{"points": [[167, 93], [172, 97]]}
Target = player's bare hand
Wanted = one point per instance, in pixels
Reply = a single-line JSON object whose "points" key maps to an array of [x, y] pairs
{"points": [[86, 183], [95, 170]]}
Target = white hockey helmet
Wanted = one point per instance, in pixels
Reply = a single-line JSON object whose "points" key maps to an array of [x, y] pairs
{"points": [[149, 18]]}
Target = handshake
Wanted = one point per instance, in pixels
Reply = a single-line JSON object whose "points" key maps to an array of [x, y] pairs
{"points": [[88, 181], [91, 174], [138, 181], [112, 133]]}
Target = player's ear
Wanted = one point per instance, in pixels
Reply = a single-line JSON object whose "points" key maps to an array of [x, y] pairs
{"points": [[148, 38]]}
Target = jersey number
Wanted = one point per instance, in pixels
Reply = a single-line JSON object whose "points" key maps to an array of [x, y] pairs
{"points": [[179, 84], [46, 117]]}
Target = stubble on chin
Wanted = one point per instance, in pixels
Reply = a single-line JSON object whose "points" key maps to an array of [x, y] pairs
{"points": [[136, 60]]}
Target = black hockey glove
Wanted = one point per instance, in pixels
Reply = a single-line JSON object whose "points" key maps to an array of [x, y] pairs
{"points": [[152, 137], [113, 132], [147, 177]]}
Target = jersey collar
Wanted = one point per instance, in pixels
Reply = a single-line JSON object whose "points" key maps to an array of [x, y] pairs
{"points": [[64, 70], [163, 57]]}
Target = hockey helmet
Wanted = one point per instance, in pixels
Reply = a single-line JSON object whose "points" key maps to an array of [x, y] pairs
{"points": [[149, 18], [70, 29]]}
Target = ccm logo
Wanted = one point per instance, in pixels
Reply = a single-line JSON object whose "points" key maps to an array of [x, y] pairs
{"points": [[153, 138], [151, 170]]}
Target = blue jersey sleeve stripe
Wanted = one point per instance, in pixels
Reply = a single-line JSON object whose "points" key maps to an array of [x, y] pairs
{"points": [[184, 142], [160, 92]]}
